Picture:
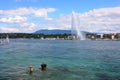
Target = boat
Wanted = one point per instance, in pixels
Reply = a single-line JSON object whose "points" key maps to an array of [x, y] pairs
{"points": [[4, 41]]}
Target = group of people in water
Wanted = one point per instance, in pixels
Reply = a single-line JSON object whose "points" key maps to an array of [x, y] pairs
{"points": [[43, 68]]}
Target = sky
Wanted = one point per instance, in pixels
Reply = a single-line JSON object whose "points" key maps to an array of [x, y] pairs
{"points": [[27, 16]]}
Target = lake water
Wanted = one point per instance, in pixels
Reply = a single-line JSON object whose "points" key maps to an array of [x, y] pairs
{"points": [[65, 59]]}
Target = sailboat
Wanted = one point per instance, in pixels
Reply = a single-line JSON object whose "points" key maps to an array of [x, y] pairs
{"points": [[7, 39], [4, 41], [0, 41]]}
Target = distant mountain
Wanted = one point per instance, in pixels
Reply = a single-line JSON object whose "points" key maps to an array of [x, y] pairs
{"points": [[45, 31]]}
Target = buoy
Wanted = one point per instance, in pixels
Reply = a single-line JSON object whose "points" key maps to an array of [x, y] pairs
{"points": [[43, 67], [30, 70]]}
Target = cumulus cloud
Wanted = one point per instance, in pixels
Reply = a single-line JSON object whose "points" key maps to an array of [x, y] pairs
{"points": [[103, 16], [23, 27], [27, 27], [8, 30], [16, 19], [23, 24], [42, 12], [105, 20], [61, 22], [100, 20], [96, 20]]}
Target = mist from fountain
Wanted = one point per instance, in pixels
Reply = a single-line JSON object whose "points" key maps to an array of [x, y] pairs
{"points": [[76, 27]]}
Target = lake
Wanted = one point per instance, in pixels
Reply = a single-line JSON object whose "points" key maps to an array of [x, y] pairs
{"points": [[65, 59]]}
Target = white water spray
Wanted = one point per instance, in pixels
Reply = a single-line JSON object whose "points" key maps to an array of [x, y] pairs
{"points": [[76, 26]]}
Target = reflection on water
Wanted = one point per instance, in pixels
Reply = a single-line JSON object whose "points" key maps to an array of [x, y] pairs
{"points": [[66, 60]]}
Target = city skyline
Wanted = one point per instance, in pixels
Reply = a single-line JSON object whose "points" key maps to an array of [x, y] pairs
{"points": [[32, 15]]}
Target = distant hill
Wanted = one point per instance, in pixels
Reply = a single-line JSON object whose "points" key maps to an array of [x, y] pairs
{"points": [[45, 31]]}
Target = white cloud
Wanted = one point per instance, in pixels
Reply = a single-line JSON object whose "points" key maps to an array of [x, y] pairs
{"points": [[102, 20], [24, 24], [22, 27], [62, 22], [8, 30], [42, 12], [48, 18], [103, 16], [16, 19], [96, 20], [27, 27]]}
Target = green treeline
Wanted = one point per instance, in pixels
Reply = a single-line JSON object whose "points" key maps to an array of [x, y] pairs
{"points": [[31, 35], [60, 36]]}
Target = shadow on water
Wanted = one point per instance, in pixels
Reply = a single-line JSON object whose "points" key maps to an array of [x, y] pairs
{"points": [[55, 73], [104, 76], [66, 60]]}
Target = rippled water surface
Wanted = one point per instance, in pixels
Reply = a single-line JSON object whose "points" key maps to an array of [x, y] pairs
{"points": [[65, 59]]}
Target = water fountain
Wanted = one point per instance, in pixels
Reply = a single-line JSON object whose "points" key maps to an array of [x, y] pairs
{"points": [[75, 27]]}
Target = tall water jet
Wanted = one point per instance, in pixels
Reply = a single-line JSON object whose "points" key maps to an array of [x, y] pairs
{"points": [[75, 27]]}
